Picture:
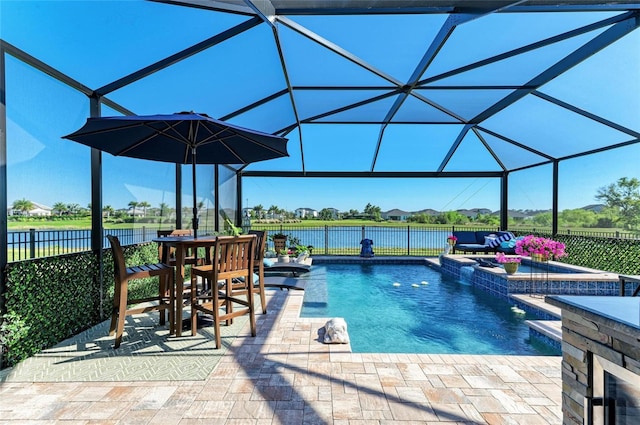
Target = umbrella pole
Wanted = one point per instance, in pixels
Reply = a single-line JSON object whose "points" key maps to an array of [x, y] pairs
{"points": [[195, 202]]}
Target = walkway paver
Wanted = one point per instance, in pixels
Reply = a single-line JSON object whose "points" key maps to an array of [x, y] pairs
{"points": [[286, 376]]}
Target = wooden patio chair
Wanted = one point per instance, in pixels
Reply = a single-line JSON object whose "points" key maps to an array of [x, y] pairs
{"points": [[232, 261], [258, 265], [167, 255], [164, 300]]}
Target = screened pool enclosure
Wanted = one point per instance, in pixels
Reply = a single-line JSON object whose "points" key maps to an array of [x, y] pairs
{"points": [[404, 90]]}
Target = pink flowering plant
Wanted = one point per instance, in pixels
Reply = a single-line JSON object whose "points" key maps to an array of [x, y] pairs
{"points": [[503, 259], [545, 247], [452, 239]]}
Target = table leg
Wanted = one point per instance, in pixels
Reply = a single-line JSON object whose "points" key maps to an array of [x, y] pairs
{"points": [[179, 288]]}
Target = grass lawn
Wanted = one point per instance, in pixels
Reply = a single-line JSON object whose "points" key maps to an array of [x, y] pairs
{"points": [[85, 223], [77, 224]]}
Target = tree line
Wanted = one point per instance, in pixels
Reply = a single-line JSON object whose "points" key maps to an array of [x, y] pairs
{"points": [[621, 209], [621, 201]]}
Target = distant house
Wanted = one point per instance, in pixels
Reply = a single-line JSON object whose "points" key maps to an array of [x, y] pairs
{"points": [[38, 210], [515, 214], [306, 212], [428, 211], [334, 213], [474, 212], [396, 215], [135, 212]]}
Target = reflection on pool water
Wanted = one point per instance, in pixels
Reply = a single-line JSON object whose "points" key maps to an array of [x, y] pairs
{"points": [[426, 313]]}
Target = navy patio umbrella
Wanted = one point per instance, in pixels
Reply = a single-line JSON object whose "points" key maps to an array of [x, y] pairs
{"points": [[181, 138]]}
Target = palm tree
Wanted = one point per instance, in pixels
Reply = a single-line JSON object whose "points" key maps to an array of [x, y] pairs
{"points": [[23, 205], [144, 205], [73, 208], [108, 209], [273, 210], [258, 210], [164, 208], [133, 205], [60, 207]]}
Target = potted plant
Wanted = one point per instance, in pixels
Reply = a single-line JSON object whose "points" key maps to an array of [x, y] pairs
{"points": [[283, 256], [510, 264], [451, 240], [539, 248]]}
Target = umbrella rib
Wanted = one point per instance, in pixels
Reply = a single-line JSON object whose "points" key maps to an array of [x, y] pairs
{"points": [[177, 136], [213, 138]]}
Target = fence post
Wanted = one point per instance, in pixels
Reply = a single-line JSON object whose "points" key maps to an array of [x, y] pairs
{"points": [[32, 243], [144, 233], [408, 240], [326, 239]]}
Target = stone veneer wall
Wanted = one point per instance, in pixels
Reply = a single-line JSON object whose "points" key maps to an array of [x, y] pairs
{"points": [[581, 337]]}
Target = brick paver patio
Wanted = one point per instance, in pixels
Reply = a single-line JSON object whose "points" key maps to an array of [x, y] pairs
{"points": [[286, 376]]}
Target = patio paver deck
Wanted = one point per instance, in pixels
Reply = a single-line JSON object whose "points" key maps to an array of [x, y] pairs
{"points": [[286, 376]]}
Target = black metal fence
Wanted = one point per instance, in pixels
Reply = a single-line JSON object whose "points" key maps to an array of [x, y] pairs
{"points": [[325, 240], [34, 243]]}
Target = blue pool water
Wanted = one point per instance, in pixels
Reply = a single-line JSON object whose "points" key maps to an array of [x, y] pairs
{"points": [[440, 317]]}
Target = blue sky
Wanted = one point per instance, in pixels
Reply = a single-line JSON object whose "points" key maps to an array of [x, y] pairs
{"points": [[46, 169]]}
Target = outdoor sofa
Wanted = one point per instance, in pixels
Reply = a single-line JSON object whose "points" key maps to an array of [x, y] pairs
{"points": [[484, 241]]}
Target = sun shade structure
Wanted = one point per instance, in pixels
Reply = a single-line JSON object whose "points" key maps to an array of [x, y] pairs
{"points": [[182, 138], [383, 88]]}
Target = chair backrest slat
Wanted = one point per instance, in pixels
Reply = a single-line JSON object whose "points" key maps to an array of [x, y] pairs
{"points": [[120, 268], [234, 254], [261, 239]]}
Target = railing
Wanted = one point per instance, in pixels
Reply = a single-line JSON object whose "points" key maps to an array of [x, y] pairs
{"points": [[34, 243], [345, 240], [326, 240]]}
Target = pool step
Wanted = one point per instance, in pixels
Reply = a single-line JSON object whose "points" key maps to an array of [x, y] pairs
{"points": [[537, 303], [549, 331], [549, 328]]}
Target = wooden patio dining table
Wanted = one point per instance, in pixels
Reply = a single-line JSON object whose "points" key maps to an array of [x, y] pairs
{"points": [[182, 244]]}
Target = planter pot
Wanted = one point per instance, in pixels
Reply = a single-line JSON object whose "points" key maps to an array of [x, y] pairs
{"points": [[539, 257], [283, 258], [279, 244], [511, 268]]}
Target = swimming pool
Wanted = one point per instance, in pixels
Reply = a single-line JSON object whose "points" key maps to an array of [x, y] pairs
{"points": [[426, 313]]}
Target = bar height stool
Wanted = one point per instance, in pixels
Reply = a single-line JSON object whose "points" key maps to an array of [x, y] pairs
{"points": [[231, 277], [258, 266], [122, 275]]}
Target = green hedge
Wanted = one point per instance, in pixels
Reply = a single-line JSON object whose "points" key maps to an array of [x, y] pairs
{"points": [[621, 256], [52, 298]]}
